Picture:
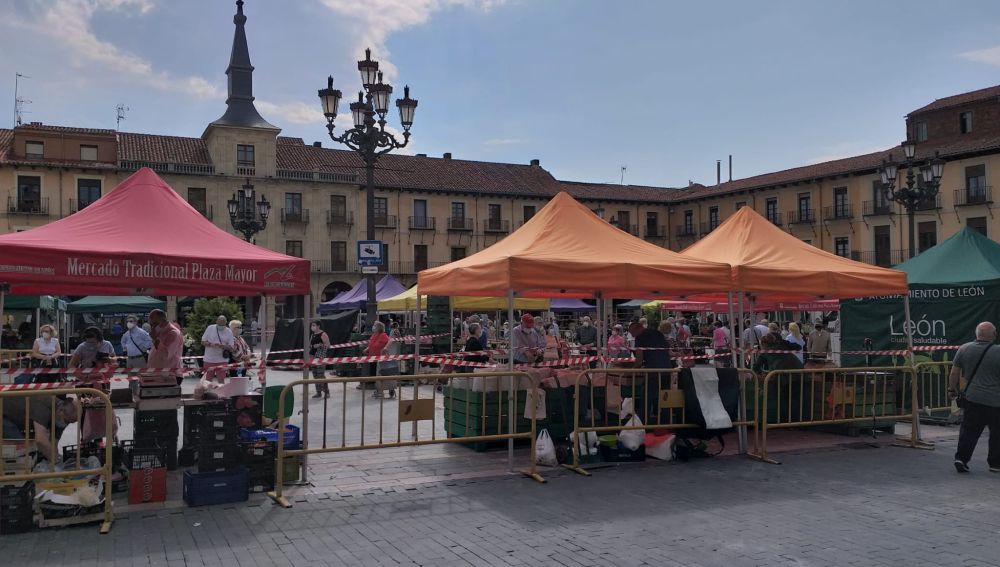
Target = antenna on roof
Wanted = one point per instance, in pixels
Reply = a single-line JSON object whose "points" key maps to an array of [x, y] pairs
{"points": [[19, 102], [623, 175], [121, 109]]}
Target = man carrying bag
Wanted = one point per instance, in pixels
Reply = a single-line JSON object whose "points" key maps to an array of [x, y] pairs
{"points": [[980, 400]]}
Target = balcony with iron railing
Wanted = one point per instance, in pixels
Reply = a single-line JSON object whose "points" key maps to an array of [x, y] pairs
{"points": [[774, 217], [708, 227], [802, 216], [295, 216], [406, 267], [655, 231], [686, 231], [883, 257], [496, 226], [23, 206], [877, 208], [422, 223], [460, 224], [632, 229], [931, 204], [843, 211], [972, 196], [336, 218], [384, 221]]}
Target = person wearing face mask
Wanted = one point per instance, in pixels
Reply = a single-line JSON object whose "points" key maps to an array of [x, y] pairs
{"points": [[168, 342], [586, 335], [218, 341], [45, 352], [136, 344], [376, 344], [241, 350], [319, 342], [94, 351]]}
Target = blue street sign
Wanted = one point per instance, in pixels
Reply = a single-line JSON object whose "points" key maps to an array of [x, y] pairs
{"points": [[370, 253]]}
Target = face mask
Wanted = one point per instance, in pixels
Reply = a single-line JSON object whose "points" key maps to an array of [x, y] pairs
{"points": [[237, 331], [221, 325], [586, 323], [130, 325], [46, 335]]}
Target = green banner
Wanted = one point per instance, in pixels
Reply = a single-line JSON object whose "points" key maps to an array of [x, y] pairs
{"points": [[940, 315]]}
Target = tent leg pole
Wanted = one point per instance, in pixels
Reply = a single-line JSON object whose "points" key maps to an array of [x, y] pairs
{"points": [[511, 394], [916, 439], [3, 296], [306, 315], [742, 407], [416, 357]]}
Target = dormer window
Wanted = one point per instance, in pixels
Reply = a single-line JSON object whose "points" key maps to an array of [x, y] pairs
{"points": [[34, 150], [965, 122], [244, 156], [921, 131]]}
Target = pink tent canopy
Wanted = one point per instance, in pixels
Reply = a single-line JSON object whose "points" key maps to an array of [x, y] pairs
{"points": [[142, 238]]}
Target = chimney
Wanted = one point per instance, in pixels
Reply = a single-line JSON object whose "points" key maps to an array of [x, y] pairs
{"points": [[317, 144], [421, 155], [447, 155], [730, 167], [36, 123], [718, 172], [536, 163]]}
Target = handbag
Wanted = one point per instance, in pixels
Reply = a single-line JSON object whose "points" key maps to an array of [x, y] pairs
{"points": [[960, 399], [143, 353]]}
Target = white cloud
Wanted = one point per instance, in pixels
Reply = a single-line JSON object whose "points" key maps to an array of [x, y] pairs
{"points": [[989, 56], [293, 112], [68, 22], [378, 19]]}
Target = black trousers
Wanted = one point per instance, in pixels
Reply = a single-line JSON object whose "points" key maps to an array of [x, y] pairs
{"points": [[977, 417]]}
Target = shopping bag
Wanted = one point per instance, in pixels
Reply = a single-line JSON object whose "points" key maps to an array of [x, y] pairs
{"points": [[632, 439], [660, 446], [587, 443], [535, 410], [545, 450], [94, 425], [627, 409], [614, 395]]}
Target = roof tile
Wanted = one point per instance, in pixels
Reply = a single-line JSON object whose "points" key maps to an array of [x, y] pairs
{"points": [[162, 149], [960, 99]]}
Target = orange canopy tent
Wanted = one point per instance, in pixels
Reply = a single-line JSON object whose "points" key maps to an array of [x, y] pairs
{"points": [[771, 263], [566, 250]]}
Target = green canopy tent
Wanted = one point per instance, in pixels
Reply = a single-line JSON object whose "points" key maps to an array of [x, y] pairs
{"points": [[33, 310], [953, 286], [109, 304]]}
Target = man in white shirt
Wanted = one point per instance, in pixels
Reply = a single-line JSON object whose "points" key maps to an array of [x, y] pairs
{"points": [[218, 341]]}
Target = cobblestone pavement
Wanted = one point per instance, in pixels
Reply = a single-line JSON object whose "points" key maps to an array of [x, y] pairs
{"points": [[856, 505]]}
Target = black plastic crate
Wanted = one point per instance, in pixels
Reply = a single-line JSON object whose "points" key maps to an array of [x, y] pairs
{"points": [[260, 484], [194, 416], [260, 469], [16, 513], [145, 454], [155, 419], [252, 452], [217, 457], [218, 427]]}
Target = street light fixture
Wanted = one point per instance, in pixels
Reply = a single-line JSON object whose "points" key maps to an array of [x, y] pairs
{"points": [[248, 218], [916, 192], [369, 137]]}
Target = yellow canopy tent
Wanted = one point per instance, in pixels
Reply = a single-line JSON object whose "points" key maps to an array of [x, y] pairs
{"points": [[407, 301]]}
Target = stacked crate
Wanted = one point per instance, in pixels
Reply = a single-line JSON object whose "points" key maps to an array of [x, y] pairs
{"points": [[439, 322], [16, 513], [158, 427], [217, 449], [147, 477], [258, 457]]}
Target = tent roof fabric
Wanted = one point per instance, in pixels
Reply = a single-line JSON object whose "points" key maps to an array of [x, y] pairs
{"points": [[566, 250], [356, 298], [115, 304], [142, 238], [45, 302], [774, 264], [965, 257], [567, 304], [407, 301]]}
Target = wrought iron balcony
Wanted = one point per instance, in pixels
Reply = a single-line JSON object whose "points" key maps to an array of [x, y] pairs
{"points": [[496, 226], [422, 223], [707, 227], [882, 257], [802, 216], [971, 196], [877, 208], [339, 218], [655, 231], [384, 221], [930, 204], [686, 231], [295, 216], [460, 224], [23, 206], [843, 211], [774, 218]]}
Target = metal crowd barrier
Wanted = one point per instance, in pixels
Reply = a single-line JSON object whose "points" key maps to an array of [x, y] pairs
{"points": [[838, 396], [412, 410], [669, 399], [932, 387], [105, 470]]}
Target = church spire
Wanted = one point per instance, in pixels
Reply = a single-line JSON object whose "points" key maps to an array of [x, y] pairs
{"points": [[240, 109]]}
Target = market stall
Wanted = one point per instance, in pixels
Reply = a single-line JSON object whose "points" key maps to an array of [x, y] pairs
{"points": [[567, 251], [357, 296], [142, 238]]}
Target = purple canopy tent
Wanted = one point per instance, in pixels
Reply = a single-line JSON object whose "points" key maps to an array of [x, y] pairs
{"points": [[357, 296], [567, 304]]}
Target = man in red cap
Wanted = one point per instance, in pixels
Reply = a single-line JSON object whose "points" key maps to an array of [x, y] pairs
{"points": [[526, 342]]}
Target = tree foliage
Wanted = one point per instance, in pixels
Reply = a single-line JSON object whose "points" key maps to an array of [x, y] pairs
{"points": [[204, 313]]}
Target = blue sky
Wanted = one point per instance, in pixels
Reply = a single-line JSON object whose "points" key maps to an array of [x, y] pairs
{"points": [[586, 86]]}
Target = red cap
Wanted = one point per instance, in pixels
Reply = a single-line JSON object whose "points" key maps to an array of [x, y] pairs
{"points": [[527, 320]]}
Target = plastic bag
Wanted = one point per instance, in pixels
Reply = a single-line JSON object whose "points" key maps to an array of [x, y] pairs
{"points": [[536, 410], [587, 443], [632, 439], [545, 450], [628, 408]]}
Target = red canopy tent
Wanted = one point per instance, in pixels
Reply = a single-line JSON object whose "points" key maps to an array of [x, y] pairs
{"points": [[142, 238]]}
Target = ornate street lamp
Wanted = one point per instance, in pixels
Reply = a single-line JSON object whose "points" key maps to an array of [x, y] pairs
{"points": [[248, 218], [917, 192], [368, 137]]}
